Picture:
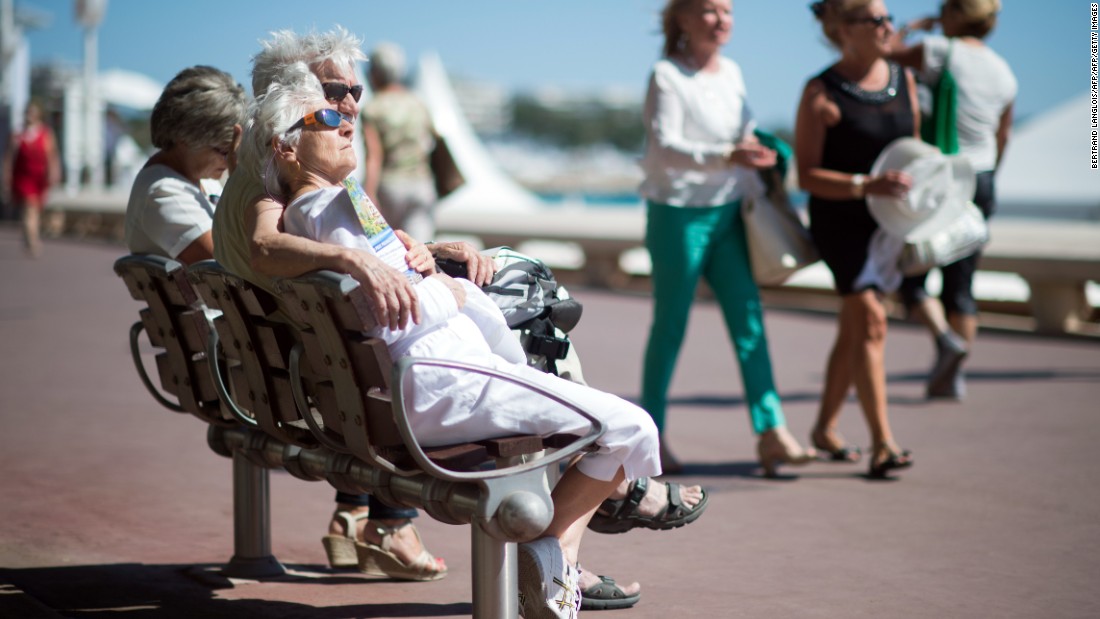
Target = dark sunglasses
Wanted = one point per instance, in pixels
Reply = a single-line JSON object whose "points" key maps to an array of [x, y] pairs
{"points": [[877, 21], [336, 91], [326, 117]]}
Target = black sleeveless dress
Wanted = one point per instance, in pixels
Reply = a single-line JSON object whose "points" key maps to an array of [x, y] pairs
{"points": [[869, 121]]}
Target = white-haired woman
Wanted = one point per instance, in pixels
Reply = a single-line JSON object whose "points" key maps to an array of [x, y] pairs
{"points": [[250, 242], [196, 124], [309, 144], [399, 135]]}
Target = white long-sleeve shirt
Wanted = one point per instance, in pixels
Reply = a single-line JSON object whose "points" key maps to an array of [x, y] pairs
{"points": [[693, 119]]}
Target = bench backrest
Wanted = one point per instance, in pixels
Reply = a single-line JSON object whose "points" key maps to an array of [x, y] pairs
{"points": [[372, 421], [175, 323], [255, 345]]}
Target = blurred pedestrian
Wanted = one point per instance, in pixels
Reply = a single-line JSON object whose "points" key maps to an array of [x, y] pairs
{"points": [[31, 167], [700, 148], [985, 91], [846, 116], [196, 124], [399, 135]]}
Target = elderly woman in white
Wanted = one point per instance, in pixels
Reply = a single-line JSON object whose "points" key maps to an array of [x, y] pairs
{"points": [[310, 147]]}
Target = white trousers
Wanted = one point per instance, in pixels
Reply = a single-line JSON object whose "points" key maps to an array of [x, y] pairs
{"points": [[453, 406]]}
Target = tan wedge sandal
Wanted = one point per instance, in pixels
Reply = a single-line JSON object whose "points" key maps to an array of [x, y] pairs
{"points": [[341, 548], [379, 560]]}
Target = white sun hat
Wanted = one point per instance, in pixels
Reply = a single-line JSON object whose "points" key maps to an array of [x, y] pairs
{"points": [[942, 186]]}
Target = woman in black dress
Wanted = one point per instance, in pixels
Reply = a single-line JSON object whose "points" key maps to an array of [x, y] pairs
{"points": [[847, 115]]}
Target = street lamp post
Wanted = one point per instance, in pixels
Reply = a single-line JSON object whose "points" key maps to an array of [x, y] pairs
{"points": [[90, 13]]}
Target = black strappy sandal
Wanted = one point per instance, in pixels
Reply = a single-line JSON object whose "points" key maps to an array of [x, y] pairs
{"points": [[621, 515], [844, 453], [894, 462], [606, 595]]}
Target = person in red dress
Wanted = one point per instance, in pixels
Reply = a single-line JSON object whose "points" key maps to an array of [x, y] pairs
{"points": [[31, 166]]}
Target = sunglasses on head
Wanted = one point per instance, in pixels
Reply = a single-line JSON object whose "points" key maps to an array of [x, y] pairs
{"points": [[326, 117], [876, 21], [336, 91]]}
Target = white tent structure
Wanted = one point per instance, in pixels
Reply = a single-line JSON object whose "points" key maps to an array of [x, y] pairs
{"points": [[1047, 170], [129, 89], [487, 189]]}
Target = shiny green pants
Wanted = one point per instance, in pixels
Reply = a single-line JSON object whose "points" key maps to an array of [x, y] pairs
{"points": [[686, 244]]}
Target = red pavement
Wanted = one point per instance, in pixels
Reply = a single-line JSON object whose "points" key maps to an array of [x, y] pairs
{"points": [[109, 502]]}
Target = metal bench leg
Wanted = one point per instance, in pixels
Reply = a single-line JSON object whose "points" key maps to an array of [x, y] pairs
{"points": [[495, 576], [252, 556]]}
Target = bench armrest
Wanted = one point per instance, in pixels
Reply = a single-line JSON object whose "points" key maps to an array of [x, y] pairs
{"points": [[219, 384], [135, 352], [403, 366]]}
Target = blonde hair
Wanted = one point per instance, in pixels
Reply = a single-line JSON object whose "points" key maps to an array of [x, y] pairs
{"points": [[975, 17], [670, 26], [833, 14]]}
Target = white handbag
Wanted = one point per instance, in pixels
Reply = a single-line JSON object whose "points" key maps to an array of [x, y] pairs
{"points": [[779, 243], [963, 237]]}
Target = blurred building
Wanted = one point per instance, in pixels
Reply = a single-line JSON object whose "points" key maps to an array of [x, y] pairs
{"points": [[486, 105]]}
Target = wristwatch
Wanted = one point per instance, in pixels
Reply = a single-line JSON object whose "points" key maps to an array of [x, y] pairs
{"points": [[859, 182]]}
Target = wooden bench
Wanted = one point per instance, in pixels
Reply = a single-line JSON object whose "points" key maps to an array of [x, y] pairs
{"points": [[319, 401]]}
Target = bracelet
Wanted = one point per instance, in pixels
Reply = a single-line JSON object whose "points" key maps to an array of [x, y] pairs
{"points": [[859, 188]]}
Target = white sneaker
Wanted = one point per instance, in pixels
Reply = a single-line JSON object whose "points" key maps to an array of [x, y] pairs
{"points": [[549, 588]]}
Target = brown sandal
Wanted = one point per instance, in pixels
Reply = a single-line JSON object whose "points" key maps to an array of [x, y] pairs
{"points": [[340, 549], [380, 560]]}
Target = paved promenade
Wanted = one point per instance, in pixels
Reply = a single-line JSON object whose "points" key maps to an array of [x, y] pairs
{"points": [[113, 506]]}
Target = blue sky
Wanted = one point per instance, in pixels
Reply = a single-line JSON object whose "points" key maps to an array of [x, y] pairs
{"points": [[574, 45]]}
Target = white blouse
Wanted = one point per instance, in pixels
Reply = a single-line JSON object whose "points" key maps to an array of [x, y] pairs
{"points": [[693, 119]]}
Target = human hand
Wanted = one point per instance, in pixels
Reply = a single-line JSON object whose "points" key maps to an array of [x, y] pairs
{"points": [[391, 297], [479, 268], [892, 183], [419, 257], [456, 288], [752, 154]]}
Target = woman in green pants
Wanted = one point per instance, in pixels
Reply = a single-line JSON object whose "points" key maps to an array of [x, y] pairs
{"points": [[700, 153]]}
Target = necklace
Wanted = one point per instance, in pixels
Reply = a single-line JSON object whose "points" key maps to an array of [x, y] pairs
{"points": [[868, 96]]}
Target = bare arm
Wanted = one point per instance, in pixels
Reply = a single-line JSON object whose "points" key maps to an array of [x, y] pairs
{"points": [[374, 159], [815, 114], [911, 56], [53, 160], [914, 104], [200, 249], [278, 254], [1004, 129]]}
